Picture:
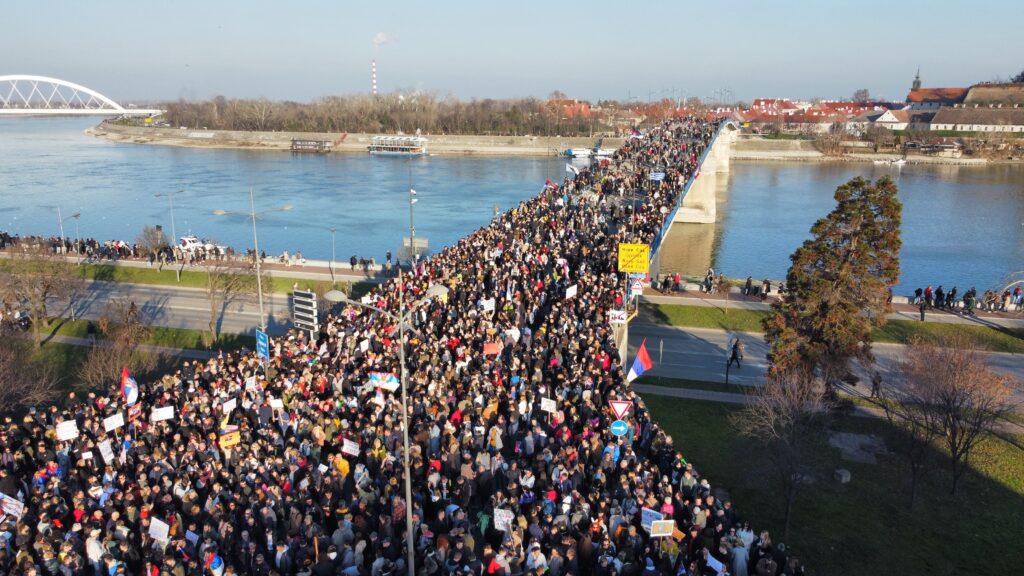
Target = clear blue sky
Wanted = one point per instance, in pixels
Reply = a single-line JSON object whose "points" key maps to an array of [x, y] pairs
{"points": [[141, 50]]}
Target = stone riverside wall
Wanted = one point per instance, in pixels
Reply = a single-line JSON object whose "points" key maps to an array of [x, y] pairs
{"points": [[438, 144]]}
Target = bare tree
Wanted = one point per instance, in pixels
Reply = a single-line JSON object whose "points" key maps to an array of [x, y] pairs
{"points": [[916, 430], [122, 329], [152, 239], [36, 278], [227, 284], [963, 397], [862, 95], [24, 381], [787, 416]]}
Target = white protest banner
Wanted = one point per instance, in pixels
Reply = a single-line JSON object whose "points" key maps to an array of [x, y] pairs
{"points": [[87, 455], [548, 405], [647, 518], [67, 430], [192, 537], [570, 292], [366, 300], [250, 384], [276, 403], [616, 316], [230, 405], [161, 414], [107, 452], [364, 345], [503, 519], [11, 506], [660, 528], [159, 530], [349, 447], [322, 468], [487, 305], [114, 422]]}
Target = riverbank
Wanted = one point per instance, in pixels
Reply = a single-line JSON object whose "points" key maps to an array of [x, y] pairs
{"points": [[456, 144], [760, 149]]}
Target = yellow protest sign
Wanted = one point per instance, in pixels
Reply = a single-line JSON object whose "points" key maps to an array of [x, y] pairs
{"points": [[634, 258], [229, 439]]}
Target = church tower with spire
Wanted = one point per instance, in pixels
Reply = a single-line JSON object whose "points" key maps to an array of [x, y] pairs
{"points": [[917, 81]]}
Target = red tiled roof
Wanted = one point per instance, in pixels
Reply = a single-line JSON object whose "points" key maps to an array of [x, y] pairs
{"points": [[940, 95]]}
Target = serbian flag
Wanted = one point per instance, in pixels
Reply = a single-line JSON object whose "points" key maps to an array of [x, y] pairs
{"points": [[573, 169], [550, 184], [129, 388], [641, 364]]}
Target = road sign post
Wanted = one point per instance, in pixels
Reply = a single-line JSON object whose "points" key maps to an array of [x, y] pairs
{"points": [[263, 347], [304, 312], [620, 428]]}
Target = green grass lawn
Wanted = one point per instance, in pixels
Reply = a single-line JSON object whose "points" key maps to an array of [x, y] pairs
{"points": [[895, 331], [193, 278], [162, 336], [863, 527]]}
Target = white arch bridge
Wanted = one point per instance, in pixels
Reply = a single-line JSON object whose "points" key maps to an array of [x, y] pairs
{"points": [[27, 95]]}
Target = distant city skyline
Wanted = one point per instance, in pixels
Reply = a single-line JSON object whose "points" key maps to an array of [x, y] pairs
{"points": [[642, 51]]}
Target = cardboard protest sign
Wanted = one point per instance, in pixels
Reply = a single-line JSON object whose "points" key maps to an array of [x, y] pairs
{"points": [[648, 517], [492, 349], [106, 451], [570, 292], [250, 384], [503, 519], [230, 439], [487, 305], [114, 422], [548, 405], [161, 414], [230, 405], [67, 430], [11, 506], [159, 530], [276, 403], [661, 528], [349, 447]]}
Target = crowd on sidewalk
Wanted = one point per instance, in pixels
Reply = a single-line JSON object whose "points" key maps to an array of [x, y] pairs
{"points": [[229, 467], [990, 301]]}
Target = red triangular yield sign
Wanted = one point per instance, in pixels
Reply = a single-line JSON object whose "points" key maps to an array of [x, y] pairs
{"points": [[620, 407]]}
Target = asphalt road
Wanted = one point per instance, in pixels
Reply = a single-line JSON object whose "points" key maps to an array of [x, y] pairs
{"points": [[175, 307], [701, 354]]}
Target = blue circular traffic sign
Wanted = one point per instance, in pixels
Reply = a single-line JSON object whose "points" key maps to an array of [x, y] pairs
{"points": [[619, 428]]}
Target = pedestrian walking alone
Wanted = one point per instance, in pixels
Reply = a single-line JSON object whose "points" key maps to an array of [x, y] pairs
{"points": [[922, 306], [737, 353]]}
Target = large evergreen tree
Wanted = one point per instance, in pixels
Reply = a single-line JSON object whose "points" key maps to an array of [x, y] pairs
{"points": [[837, 287]]}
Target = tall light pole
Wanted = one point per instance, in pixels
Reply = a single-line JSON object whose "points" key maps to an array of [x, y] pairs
{"points": [[434, 291], [333, 230], [256, 246], [170, 198], [61, 221]]}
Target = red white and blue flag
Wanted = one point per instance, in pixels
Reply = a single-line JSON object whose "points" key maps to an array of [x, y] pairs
{"points": [[641, 363], [549, 184], [387, 380], [129, 388]]}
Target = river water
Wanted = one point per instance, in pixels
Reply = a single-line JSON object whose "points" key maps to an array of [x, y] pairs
{"points": [[962, 226]]}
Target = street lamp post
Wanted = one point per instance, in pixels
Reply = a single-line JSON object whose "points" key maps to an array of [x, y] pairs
{"points": [[252, 214], [333, 230], [170, 199], [436, 290], [60, 219]]}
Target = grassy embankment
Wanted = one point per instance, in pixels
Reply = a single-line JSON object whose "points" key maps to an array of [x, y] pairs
{"points": [[995, 339], [864, 527]]}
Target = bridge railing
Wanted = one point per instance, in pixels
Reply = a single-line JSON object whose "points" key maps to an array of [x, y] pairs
{"points": [[670, 217]]}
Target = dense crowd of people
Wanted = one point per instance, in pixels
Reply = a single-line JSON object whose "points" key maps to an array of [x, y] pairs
{"points": [[296, 467]]}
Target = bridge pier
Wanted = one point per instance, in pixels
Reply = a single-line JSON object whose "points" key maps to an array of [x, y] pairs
{"points": [[699, 204]]}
